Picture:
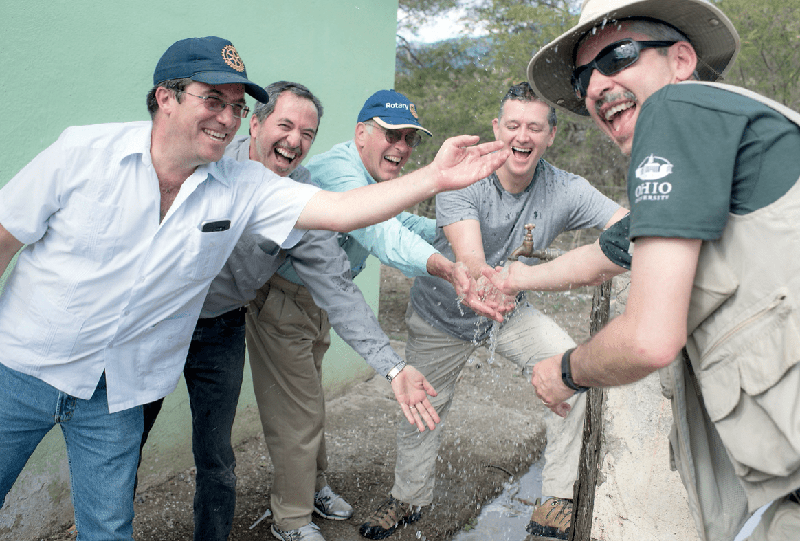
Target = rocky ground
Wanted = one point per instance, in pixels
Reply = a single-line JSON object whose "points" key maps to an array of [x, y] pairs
{"points": [[494, 433]]}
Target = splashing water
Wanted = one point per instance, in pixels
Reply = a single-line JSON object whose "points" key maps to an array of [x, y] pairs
{"points": [[492, 345]]}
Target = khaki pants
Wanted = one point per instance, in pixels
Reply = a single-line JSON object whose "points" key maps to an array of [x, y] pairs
{"points": [[527, 337], [287, 337]]}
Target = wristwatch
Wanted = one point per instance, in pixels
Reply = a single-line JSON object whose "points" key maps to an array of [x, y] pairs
{"points": [[396, 369], [566, 373]]}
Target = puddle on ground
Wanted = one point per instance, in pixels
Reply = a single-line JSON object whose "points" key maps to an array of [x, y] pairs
{"points": [[505, 518]]}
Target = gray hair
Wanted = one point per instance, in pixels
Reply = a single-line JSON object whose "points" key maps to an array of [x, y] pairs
{"points": [[263, 110], [524, 92], [176, 85]]}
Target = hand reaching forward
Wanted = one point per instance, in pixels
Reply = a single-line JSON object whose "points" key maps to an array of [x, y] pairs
{"points": [[549, 387], [481, 296], [505, 279], [411, 390], [461, 162]]}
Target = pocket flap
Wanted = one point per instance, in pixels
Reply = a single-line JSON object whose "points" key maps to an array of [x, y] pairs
{"points": [[752, 356]]}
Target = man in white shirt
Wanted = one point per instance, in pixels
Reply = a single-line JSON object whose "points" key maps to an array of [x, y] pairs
{"points": [[126, 225]]}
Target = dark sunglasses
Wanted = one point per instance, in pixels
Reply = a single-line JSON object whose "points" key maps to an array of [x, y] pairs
{"points": [[412, 138], [612, 59]]}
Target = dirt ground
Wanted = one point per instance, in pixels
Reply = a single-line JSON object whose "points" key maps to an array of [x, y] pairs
{"points": [[495, 431]]}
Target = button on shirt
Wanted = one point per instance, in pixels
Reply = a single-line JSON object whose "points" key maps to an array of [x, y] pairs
{"points": [[102, 285]]}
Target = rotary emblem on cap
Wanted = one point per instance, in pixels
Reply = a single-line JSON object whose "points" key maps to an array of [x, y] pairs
{"points": [[232, 58], [413, 110]]}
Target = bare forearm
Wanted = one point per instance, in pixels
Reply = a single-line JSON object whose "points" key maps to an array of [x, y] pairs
{"points": [[584, 266], [367, 205], [612, 358], [9, 246], [439, 265], [652, 331]]}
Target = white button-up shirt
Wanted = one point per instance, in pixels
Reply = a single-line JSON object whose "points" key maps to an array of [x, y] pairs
{"points": [[101, 284]]}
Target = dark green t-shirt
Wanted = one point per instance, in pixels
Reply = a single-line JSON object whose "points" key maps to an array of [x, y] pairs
{"points": [[700, 153]]}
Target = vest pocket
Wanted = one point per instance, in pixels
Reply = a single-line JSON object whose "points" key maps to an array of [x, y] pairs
{"points": [[749, 380]]}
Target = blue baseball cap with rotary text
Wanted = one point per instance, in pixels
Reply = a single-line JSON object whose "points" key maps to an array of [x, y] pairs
{"points": [[392, 110]]}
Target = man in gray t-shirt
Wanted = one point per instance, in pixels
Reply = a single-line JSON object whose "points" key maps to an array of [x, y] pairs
{"points": [[482, 225]]}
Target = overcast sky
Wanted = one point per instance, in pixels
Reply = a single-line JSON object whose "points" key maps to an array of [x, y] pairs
{"points": [[442, 28]]}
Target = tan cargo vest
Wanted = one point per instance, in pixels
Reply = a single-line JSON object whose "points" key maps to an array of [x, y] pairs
{"points": [[736, 391]]}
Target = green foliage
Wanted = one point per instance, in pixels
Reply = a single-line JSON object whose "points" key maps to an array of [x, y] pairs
{"points": [[769, 60], [457, 85]]}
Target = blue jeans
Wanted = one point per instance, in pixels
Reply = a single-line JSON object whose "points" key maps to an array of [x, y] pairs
{"points": [[213, 375], [100, 446]]}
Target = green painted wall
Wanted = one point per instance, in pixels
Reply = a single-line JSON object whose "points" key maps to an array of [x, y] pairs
{"points": [[83, 62]]}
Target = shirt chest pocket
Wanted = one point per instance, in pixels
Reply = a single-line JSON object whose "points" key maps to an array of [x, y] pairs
{"points": [[89, 228], [204, 253]]}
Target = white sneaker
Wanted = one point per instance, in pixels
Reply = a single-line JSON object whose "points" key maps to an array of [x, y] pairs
{"points": [[309, 532], [330, 505]]}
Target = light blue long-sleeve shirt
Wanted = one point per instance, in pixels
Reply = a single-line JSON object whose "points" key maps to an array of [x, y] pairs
{"points": [[403, 242]]}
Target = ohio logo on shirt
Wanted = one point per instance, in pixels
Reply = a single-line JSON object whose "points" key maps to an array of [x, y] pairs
{"points": [[651, 173]]}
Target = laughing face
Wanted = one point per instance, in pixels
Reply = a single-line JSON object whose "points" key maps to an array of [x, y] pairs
{"points": [[383, 160], [198, 135], [283, 139], [524, 129], [614, 100]]}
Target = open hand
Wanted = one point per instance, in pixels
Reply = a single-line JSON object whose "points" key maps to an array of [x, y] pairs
{"points": [[461, 162], [411, 390]]}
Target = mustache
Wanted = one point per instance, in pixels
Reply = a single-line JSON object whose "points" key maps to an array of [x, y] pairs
{"points": [[612, 97]]}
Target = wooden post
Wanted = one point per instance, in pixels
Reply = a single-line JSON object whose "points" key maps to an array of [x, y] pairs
{"points": [[589, 466]]}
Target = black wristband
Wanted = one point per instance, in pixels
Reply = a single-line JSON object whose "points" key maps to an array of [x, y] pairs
{"points": [[566, 373]]}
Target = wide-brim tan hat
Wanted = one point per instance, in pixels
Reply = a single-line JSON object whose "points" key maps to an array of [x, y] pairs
{"points": [[709, 30]]}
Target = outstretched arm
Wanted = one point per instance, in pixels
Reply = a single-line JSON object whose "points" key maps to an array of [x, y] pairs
{"points": [[583, 266], [459, 163], [324, 268], [648, 336]]}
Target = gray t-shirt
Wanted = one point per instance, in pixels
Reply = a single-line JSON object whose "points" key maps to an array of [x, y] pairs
{"points": [[555, 201]]}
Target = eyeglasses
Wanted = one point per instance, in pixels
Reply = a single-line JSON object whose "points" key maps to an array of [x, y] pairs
{"points": [[216, 105], [412, 138], [612, 59]]}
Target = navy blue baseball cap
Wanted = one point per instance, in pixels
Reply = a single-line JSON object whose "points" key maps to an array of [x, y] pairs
{"points": [[391, 110], [209, 60]]}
